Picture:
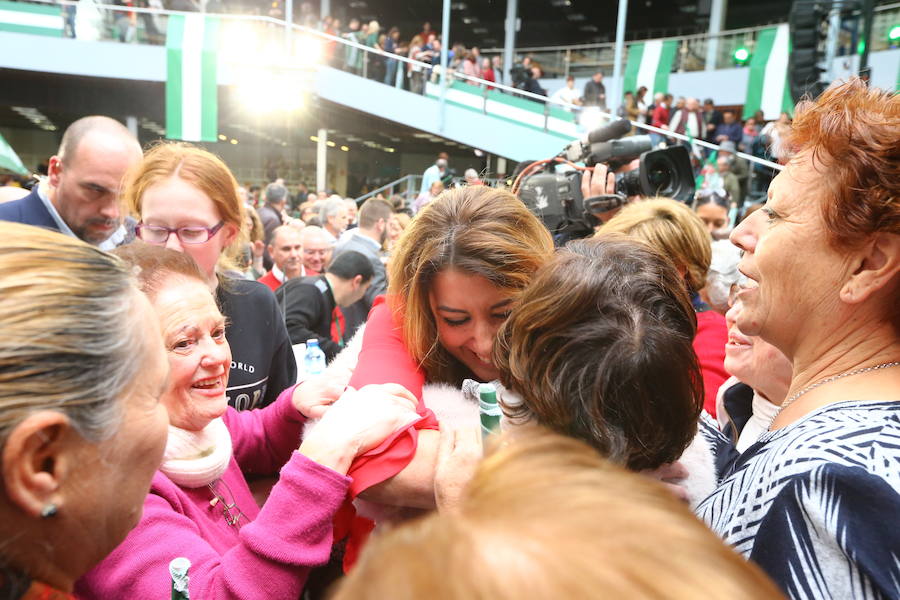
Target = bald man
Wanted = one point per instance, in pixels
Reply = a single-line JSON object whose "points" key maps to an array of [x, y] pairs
{"points": [[81, 197], [317, 250], [286, 251]]}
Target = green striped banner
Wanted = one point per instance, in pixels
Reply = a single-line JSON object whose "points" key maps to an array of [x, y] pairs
{"points": [[9, 160], [767, 83], [38, 19], [192, 112], [649, 65]]}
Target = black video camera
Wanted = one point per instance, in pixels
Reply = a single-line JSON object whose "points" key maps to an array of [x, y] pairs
{"points": [[556, 198]]}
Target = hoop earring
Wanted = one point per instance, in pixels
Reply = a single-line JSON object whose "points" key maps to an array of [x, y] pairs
{"points": [[49, 510]]}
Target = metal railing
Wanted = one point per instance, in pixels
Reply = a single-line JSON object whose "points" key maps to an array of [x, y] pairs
{"points": [[266, 45], [406, 186], [584, 59]]}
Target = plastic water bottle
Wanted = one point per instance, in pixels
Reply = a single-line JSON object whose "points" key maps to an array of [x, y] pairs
{"points": [[314, 359], [488, 409], [178, 569]]}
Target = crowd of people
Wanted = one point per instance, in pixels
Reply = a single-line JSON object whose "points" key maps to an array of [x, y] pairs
{"points": [[684, 415]]}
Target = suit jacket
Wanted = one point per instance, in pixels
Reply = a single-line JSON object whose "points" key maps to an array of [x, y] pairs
{"points": [[29, 210], [308, 304], [357, 313]]}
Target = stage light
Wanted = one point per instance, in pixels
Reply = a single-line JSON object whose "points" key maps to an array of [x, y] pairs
{"points": [[308, 50], [894, 33], [741, 55], [263, 92]]}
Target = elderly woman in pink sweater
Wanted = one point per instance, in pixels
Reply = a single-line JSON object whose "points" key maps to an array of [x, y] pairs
{"points": [[200, 506]]}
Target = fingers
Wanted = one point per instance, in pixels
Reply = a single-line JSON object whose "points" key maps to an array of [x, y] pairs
{"points": [[598, 181]]}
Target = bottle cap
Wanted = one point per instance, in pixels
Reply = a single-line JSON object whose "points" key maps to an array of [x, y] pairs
{"points": [[179, 566], [487, 393], [312, 342]]}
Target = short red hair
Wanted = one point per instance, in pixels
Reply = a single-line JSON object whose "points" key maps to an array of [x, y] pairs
{"points": [[853, 133]]}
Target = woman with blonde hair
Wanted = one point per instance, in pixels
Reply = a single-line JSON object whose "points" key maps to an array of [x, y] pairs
{"points": [[81, 428], [545, 517], [676, 232], [186, 199]]}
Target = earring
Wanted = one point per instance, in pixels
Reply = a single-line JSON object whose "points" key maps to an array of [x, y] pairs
{"points": [[48, 511]]}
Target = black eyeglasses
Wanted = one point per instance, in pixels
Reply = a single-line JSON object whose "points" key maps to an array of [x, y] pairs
{"points": [[155, 234]]}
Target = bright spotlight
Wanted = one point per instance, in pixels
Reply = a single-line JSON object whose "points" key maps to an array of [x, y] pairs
{"points": [[267, 93], [307, 49]]}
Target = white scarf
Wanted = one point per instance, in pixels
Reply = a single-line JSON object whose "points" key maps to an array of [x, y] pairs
{"points": [[196, 458]]}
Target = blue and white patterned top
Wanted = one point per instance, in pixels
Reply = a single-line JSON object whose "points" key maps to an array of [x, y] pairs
{"points": [[817, 503]]}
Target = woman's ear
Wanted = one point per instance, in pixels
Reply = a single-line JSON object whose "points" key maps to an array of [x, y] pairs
{"points": [[35, 461], [877, 264], [230, 232]]}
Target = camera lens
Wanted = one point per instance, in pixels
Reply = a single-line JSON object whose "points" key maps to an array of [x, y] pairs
{"points": [[660, 178]]}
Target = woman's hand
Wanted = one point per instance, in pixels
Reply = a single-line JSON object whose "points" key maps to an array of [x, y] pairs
{"points": [[459, 454], [357, 422], [313, 397]]}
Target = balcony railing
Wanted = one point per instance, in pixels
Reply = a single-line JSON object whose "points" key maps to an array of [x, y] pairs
{"points": [[264, 44]]}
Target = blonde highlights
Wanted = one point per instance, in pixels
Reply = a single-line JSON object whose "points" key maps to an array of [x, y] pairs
{"points": [[673, 229], [545, 517], [69, 340], [477, 231]]}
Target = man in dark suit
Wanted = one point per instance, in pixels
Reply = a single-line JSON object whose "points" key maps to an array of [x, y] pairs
{"points": [[308, 304], [82, 195], [367, 239]]}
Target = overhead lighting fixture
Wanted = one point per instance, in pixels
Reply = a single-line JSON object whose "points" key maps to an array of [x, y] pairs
{"points": [[234, 142], [314, 138], [459, 6], [345, 148], [389, 150], [222, 137], [330, 144], [576, 17]]}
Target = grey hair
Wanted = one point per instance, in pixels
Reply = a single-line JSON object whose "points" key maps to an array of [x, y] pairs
{"points": [[275, 193], [69, 335], [331, 207]]}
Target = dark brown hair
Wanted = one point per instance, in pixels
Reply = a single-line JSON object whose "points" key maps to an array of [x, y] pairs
{"points": [[853, 133], [599, 348]]}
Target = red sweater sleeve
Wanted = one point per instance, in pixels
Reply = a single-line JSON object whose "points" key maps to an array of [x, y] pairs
{"points": [[384, 359], [709, 344]]}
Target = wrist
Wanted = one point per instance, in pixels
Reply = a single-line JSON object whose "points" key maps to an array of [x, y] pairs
{"points": [[334, 454]]}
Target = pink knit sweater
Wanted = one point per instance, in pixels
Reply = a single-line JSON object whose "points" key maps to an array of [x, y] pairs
{"points": [[269, 556]]}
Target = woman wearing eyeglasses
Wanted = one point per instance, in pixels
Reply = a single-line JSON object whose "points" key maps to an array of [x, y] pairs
{"points": [[186, 199], [200, 506]]}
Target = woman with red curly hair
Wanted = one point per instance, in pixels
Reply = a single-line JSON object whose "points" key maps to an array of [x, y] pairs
{"points": [[812, 501]]}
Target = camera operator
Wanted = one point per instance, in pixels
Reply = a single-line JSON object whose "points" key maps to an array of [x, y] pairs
{"points": [[601, 181]]}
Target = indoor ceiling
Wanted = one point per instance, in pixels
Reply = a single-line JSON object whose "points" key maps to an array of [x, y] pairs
{"points": [[557, 22]]}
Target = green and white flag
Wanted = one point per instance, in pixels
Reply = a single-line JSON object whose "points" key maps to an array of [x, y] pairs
{"points": [[38, 19], [192, 110], [767, 84], [649, 64], [9, 160]]}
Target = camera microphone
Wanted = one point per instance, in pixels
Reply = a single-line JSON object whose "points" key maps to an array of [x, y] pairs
{"points": [[610, 131], [579, 149]]}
